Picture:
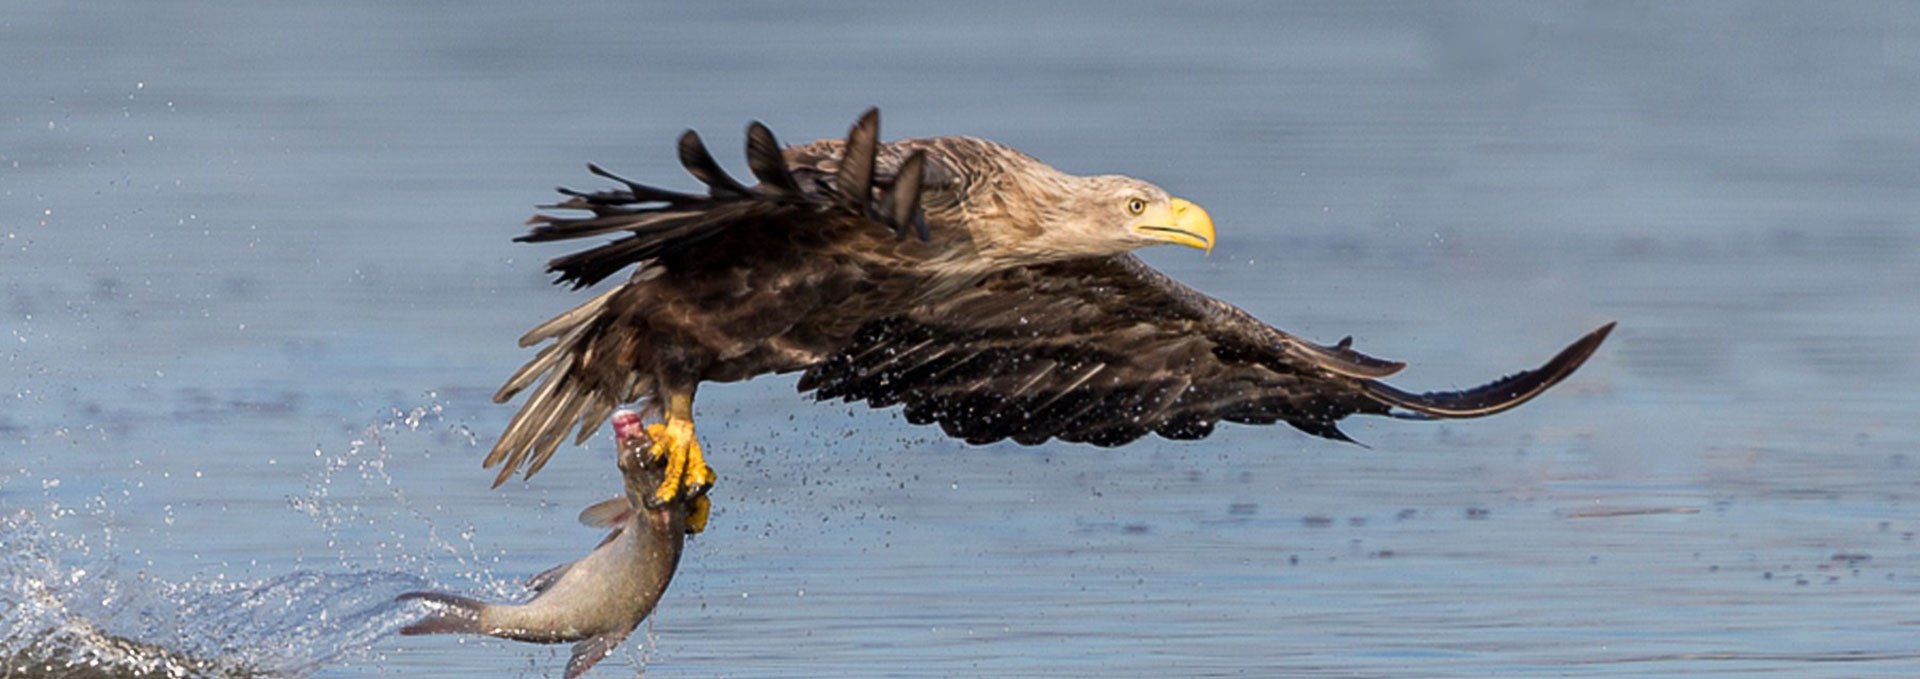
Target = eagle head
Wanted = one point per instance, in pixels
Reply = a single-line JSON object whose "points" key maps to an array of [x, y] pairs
{"points": [[1022, 211], [1111, 214]]}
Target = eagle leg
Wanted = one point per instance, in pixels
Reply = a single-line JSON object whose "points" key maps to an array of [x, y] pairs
{"points": [[687, 473]]}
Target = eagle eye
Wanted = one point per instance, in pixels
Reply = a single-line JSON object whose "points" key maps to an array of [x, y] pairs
{"points": [[1136, 206]]}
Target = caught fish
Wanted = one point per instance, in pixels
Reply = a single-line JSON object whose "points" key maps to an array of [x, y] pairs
{"points": [[598, 600]]}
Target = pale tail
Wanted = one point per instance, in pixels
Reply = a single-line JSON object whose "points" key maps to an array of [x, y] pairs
{"points": [[566, 397]]}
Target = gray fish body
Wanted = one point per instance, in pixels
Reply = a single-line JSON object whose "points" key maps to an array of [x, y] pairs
{"points": [[599, 599], [611, 589]]}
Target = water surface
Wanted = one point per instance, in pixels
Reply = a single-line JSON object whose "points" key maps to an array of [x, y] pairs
{"points": [[256, 284]]}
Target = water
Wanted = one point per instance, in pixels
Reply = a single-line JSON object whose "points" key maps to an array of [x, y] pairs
{"points": [[258, 284]]}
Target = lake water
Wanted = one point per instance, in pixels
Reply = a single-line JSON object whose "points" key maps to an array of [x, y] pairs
{"points": [[256, 284]]}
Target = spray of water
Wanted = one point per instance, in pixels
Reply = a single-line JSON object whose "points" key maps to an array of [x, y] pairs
{"points": [[67, 609]]}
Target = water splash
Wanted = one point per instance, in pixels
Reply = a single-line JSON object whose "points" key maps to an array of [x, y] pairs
{"points": [[67, 609], [369, 519], [64, 615]]}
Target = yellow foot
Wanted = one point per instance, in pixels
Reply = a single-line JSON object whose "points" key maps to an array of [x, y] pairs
{"points": [[687, 473]]}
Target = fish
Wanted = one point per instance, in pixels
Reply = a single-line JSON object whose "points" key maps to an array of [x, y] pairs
{"points": [[598, 600]]}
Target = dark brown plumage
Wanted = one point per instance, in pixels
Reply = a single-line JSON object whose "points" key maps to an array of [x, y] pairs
{"points": [[1107, 350], [972, 284]]}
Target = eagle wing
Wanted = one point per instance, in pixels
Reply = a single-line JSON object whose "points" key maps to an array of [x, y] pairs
{"points": [[594, 361], [1106, 350], [657, 222]]}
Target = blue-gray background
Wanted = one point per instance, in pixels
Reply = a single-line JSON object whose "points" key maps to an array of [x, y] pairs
{"points": [[256, 285]]}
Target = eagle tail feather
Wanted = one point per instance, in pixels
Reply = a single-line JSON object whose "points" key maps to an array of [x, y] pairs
{"points": [[554, 430], [597, 411], [511, 448], [574, 390], [566, 321], [541, 364]]}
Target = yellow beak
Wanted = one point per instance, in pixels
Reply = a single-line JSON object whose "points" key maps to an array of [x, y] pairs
{"points": [[1180, 223]]}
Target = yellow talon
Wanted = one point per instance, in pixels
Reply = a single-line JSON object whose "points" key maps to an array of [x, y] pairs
{"points": [[687, 471]]}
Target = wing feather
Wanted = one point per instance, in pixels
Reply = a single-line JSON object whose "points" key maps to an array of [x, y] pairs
{"points": [[599, 357], [700, 163], [658, 222], [901, 208], [855, 177], [1108, 350], [1499, 395], [767, 164], [636, 192]]}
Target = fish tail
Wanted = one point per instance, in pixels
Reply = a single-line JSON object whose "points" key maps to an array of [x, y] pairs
{"points": [[456, 614]]}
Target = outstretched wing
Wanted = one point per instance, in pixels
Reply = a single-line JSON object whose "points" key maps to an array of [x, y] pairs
{"points": [[1104, 351], [599, 357], [657, 222]]}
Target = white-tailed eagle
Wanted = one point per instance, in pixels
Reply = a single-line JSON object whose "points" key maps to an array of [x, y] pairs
{"points": [[961, 279]]}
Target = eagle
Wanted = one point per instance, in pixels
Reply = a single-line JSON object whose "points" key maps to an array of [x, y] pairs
{"points": [[967, 282]]}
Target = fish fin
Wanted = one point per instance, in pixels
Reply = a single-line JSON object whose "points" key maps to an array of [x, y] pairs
{"points": [[456, 615], [606, 513], [591, 650], [545, 579]]}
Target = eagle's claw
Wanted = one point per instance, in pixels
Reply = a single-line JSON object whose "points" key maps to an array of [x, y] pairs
{"points": [[687, 475]]}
